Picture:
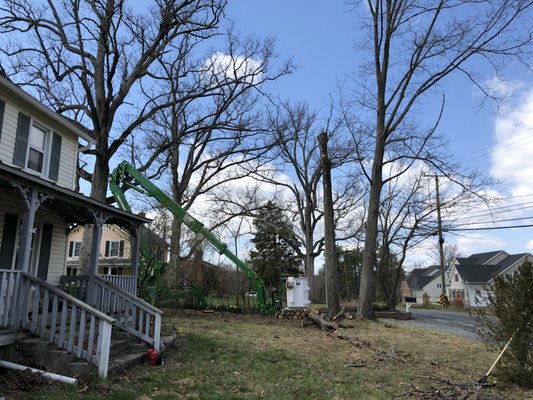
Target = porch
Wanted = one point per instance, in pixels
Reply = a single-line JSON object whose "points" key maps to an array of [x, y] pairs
{"points": [[35, 216]]}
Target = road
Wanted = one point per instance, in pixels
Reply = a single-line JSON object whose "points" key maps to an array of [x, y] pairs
{"points": [[457, 323]]}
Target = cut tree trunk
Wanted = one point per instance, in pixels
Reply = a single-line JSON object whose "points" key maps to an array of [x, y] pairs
{"points": [[325, 325]]}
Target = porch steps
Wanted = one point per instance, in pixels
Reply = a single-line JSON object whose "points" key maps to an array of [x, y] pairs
{"points": [[126, 352], [8, 336]]}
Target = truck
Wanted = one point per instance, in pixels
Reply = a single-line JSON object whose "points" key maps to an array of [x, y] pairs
{"points": [[126, 176]]}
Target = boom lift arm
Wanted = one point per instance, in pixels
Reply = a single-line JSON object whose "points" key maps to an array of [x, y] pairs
{"points": [[126, 175]]}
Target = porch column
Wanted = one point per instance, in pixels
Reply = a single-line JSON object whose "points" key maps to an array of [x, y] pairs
{"points": [[135, 254], [33, 200], [99, 219]]}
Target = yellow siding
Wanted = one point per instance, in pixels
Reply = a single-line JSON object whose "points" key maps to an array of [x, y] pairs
{"points": [[109, 232]]}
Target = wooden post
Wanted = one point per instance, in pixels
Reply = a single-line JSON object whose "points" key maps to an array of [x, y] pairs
{"points": [[135, 254], [99, 220], [103, 347], [157, 331], [332, 295], [32, 199]]}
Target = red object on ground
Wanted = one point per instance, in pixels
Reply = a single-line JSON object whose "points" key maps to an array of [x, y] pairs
{"points": [[152, 355]]}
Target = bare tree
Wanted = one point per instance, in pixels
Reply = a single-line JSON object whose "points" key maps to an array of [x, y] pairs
{"points": [[211, 125], [330, 250], [296, 153], [291, 174], [89, 60], [412, 47]]}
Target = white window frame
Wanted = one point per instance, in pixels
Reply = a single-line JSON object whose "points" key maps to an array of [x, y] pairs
{"points": [[75, 244], [34, 125], [111, 255]]}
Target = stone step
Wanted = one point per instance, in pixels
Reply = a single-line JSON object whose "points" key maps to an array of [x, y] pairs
{"points": [[9, 336]]}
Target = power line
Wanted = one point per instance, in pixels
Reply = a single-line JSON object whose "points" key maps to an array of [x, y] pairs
{"points": [[490, 214], [497, 221], [490, 228], [485, 151]]}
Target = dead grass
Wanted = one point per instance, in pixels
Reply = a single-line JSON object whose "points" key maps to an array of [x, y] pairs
{"points": [[231, 356]]}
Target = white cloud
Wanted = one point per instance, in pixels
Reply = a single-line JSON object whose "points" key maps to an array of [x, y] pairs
{"points": [[222, 66], [478, 242], [501, 88], [511, 155], [529, 246]]}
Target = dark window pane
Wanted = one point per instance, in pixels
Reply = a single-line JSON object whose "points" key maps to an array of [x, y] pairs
{"points": [[35, 160]]}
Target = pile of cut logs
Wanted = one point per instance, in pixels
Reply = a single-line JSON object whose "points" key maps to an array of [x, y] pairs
{"points": [[292, 314]]}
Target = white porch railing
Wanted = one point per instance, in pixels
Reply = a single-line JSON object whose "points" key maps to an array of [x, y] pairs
{"points": [[9, 282], [125, 282], [132, 314], [56, 316]]}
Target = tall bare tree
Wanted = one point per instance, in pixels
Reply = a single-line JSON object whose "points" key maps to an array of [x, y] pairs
{"points": [[411, 47], [212, 123], [293, 169], [90, 60]]}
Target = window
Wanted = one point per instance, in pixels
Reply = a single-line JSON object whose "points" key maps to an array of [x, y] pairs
{"points": [[114, 248], [439, 285], [37, 148], [72, 270], [112, 271], [74, 248], [456, 277]]}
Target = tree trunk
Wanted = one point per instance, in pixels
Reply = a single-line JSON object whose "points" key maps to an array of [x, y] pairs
{"points": [[98, 192], [367, 288], [309, 267], [332, 291]]}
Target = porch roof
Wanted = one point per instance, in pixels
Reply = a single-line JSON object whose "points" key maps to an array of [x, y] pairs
{"points": [[72, 206]]}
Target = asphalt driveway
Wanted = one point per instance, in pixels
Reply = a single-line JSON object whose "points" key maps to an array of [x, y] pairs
{"points": [[457, 323]]}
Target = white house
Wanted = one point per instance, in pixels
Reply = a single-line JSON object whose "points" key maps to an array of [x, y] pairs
{"points": [[424, 280], [471, 277], [38, 206]]}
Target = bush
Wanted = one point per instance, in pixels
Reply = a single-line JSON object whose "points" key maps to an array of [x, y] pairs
{"points": [[425, 300], [458, 301], [511, 313]]}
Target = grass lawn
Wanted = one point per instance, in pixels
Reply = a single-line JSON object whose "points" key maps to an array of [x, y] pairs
{"points": [[234, 356]]}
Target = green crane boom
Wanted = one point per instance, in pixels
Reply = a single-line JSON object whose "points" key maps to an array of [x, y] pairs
{"points": [[125, 175]]}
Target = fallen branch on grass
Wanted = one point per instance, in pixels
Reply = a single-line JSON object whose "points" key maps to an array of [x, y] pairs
{"points": [[449, 391], [325, 325]]}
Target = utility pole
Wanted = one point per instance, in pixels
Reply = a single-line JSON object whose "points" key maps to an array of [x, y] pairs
{"points": [[332, 293], [441, 241]]}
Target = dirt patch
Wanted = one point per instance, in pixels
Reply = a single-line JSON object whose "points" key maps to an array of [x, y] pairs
{"points": [[14, 382]]}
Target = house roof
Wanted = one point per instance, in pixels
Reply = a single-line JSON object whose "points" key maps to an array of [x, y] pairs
{"points": [[9, 87], [477, 273], [420, 277], [153, 237], [73, 206], [510, 260], [478, 258], [474, 269]]}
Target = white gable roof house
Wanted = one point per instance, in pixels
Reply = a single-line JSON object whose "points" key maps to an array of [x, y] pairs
{"points": [[425, 281], [38, 206], [471, 277]]}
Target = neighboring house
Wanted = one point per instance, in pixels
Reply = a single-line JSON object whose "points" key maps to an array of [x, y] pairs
{"points": [[471, 277], [38, 205], [114, 252], [423, 280], [115, 249]]}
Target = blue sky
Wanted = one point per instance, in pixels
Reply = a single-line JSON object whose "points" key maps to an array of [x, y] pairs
{"points": [[319, 37]]}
